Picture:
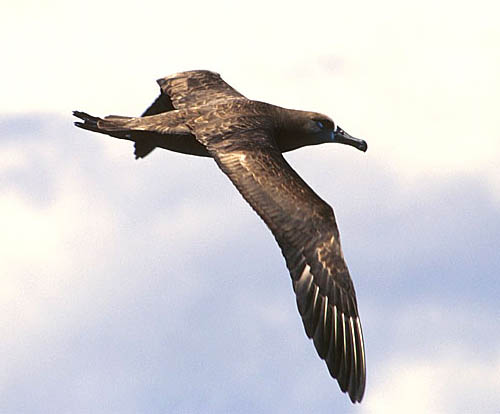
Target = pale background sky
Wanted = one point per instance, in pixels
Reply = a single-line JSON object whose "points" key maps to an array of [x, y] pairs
{"points": [[150, 286]]}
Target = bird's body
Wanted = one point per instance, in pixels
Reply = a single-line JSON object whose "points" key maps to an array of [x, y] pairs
{"points": [[198, 113]]}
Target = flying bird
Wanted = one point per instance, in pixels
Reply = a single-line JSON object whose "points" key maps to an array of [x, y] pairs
{"points": [[198, 113]]}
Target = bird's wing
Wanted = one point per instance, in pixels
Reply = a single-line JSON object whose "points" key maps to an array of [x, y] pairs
{"points": [[192, 88], [305, 229], [196, 88], [178, 91], [161, 104]]}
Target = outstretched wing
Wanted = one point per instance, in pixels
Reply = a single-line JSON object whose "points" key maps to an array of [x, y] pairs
{"points": [[196, 88], [304, 227], [192, 88], [184, 89], [161, 104]]}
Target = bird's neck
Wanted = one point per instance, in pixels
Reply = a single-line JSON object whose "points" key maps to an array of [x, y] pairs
{"points": [[290, 132]]}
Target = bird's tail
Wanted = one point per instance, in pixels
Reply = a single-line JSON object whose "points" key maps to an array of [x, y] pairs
{"points": [[112, 124]]}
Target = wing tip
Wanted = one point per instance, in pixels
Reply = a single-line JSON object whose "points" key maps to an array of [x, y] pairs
{"points": [[184, 74], [335, 329], [352, 375]]}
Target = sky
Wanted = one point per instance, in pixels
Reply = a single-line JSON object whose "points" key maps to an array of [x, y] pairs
{"points": [[150, 286]]}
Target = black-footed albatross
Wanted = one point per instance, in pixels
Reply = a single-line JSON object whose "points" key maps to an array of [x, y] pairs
{"points": [[198, 113]]}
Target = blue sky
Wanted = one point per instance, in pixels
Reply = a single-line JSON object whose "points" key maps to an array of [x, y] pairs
{"points": [[150, 286]]}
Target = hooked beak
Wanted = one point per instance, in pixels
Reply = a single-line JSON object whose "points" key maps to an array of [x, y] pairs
{"points": [[343, 137]]}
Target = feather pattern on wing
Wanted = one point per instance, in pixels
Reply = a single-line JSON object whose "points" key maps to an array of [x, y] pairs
{"points": [[304, 227], [196, 88], [198, 113]]}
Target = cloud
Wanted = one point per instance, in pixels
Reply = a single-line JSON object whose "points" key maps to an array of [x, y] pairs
{"points": [[127, 288], [420, 84], [450, 382]]}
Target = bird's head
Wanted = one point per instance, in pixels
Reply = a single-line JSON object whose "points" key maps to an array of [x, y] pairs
{"points": [[322, 129], [296, 129]]}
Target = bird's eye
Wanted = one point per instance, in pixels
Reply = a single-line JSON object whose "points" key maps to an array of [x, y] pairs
{"points": [[319, 124]]}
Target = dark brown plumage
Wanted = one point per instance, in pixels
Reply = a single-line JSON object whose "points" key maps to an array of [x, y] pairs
{"points": [[198, 113]]}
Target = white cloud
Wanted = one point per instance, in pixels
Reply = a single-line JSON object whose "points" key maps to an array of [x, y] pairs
{"points": [[101, 257], [419, 83], [435, 361], [136, 273], [456, 381], [12, 158]]}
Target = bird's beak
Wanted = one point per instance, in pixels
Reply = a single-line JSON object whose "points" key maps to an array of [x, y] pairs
{"points": [[343, 137]]}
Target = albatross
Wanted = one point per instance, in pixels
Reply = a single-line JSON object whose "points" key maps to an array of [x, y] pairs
{"points": [[198, 113]]}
